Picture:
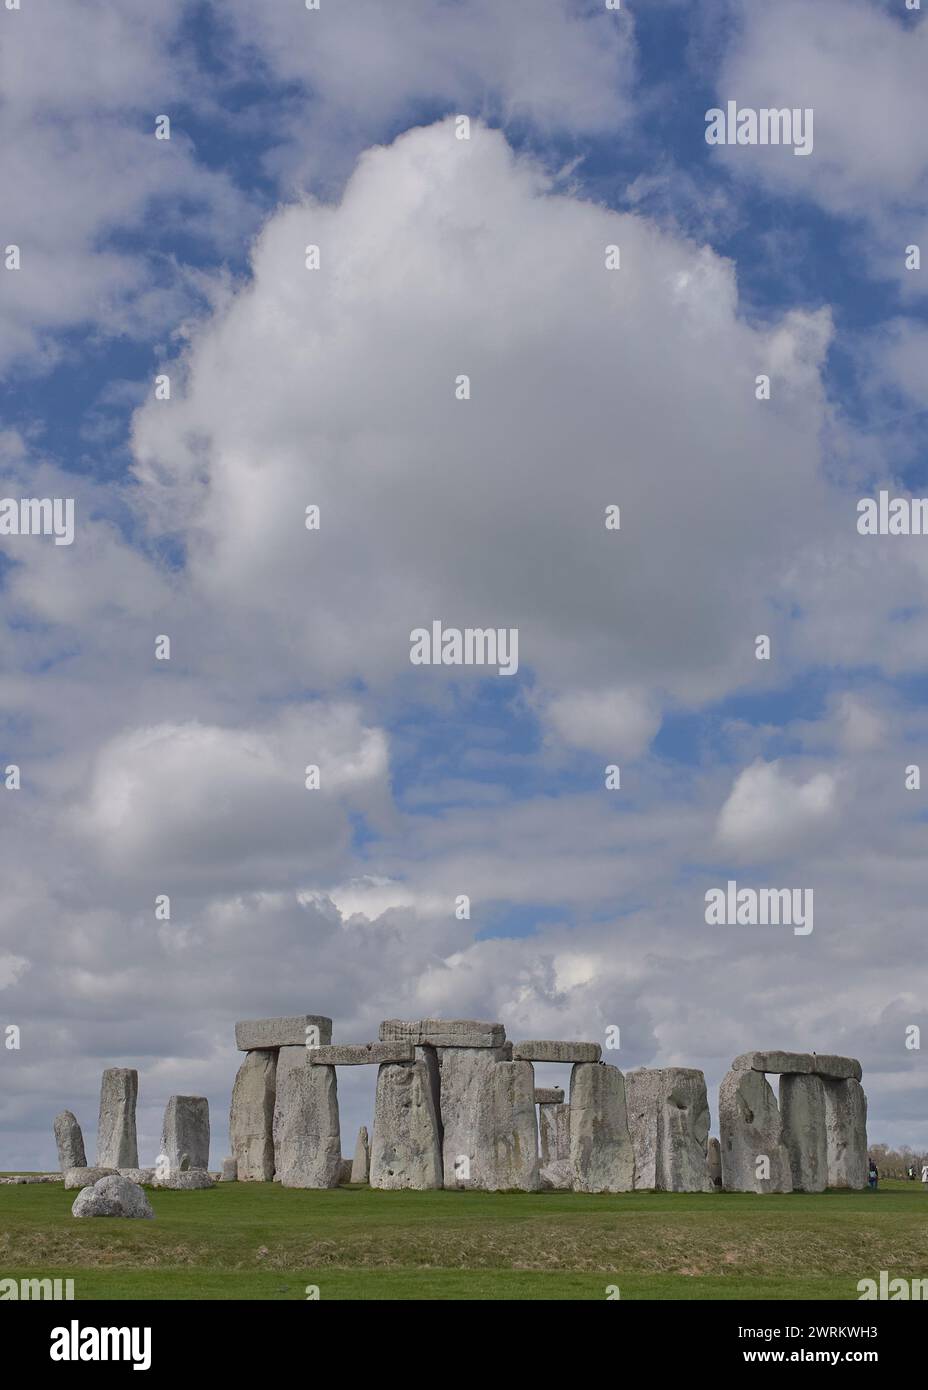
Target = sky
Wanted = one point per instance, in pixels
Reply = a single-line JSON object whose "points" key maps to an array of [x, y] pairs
{"points": [[150, 264]]}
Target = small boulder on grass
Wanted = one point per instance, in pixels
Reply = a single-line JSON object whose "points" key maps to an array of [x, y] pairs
{"points": [[113, 1196]]}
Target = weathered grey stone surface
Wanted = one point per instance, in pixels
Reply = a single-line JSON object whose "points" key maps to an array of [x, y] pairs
{"points": [[799, 1064], [464, 1074], [557, 1176], [554, 1133], [362, 1054], [431, 1059], [668, 1119], [491, 1129], [185, 1133], [549, 1095], [70, 1141], [251, 1119], [714, 1158], [405, 1146], [139, 1175], [548, 1051], [600, 1146], [260, 1033], [113, 1196], [774, 1062], [229, 1170], [18, 1179], [751, 1130], [802, 1107], [307, 1141], [836, 1068], [443, 1032], [361, 1163], [191, 1180], [86, 1177], [846, 1133], [344, 1172], [117, 1146]]}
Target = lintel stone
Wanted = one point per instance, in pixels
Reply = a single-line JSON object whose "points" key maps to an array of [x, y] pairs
{"points": [[443, 1032], [800, 1064], [360, 1054], [258, 1033], [556, 1051]]}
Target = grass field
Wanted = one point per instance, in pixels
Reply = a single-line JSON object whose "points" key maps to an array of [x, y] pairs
{"points": [[259, 1241]]}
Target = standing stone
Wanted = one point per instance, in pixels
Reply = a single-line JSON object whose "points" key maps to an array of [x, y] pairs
{"points": [[251, 1121], [491, 1129], [307, 1141], [715, 1162], [429, 1056], [70, 1142], [507, 1152], [361, 1163], [668, 1119], [802, 1105], [752, 1131], [846, 1133], [229, 1170], [600, 1145], [405, 1148], [464, 1077], [185, 1133], [554, 1132], [117, 1146]]}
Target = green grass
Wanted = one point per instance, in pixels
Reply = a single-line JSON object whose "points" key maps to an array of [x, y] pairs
{"points": [[260, 1241]]}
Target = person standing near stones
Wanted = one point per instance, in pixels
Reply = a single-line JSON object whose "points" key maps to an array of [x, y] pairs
{"points": [[873, 1175]]}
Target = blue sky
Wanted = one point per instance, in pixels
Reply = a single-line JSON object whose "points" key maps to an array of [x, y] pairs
{"points": [[739, 518]]}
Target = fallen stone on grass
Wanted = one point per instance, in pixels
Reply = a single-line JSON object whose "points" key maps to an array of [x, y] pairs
{"points": [[139, 1175], [83, 1177], [190, 1181], [113, 1196]]}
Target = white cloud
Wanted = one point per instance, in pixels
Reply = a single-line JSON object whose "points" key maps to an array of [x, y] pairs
{"points": [[767, 813], [336, 387], [190, 799], [617, 722]]}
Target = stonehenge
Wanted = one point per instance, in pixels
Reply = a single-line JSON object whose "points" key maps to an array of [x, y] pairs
{"points": [[361, 1163], [600, 1148], [553, 1132], [816, 1137], [802, 1106], [185, 1133], [405, 1146], [70, 1142], [117, 1146], [456, 1106], [251, 1119], [307, 1146], [668, 1120], [754, 1155], [846, 1133]]}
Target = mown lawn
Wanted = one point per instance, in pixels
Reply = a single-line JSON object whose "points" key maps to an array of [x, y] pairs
{"points": [[260, 1241]]}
